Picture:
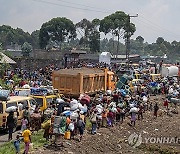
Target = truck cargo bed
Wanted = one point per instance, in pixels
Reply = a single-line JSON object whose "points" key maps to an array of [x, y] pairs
{"points": [[78, 81]]}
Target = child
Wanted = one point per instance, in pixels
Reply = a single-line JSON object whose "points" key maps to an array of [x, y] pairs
{"points": [[24, 124], [156, 108], [81, 127], [150, 106], [27, 139], [17, 144]]}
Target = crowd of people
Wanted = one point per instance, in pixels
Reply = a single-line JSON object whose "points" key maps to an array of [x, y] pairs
{"points": [[69, 116], [109, 109]]}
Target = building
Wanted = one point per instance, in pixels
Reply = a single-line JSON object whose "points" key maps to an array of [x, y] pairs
{"points": [[6, 59], [119, 58]]}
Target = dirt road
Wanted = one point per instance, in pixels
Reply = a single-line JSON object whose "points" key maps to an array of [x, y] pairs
{"points": [[4, 136], [114, 140]]}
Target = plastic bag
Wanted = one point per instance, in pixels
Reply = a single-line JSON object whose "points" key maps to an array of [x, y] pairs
{"points": [[46, 124], [84, 109], [59, 100], [73, 105], [71, 127], [30, 146], [145, 99], [74, 115]]}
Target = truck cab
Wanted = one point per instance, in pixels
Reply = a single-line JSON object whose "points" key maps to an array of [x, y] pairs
{"points": [[111, 80]]}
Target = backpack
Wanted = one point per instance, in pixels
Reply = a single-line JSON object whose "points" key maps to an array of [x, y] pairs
{"points": [[80, 124]]}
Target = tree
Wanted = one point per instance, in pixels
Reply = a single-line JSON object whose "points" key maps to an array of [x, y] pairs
{"points": [[117, 24], [11, 36], [94, 41], [35, 38], [0, 50], [159, 40], [57, 30], [91, 37], [140, 39], [84, 26], [26, 49]]}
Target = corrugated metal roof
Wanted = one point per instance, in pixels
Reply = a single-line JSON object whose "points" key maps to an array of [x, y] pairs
{"points": [[6, 59], [79, 51], [89, 56], [124, 56]]}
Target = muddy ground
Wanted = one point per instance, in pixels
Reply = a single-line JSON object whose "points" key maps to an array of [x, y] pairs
{"points": [[114, 140]]}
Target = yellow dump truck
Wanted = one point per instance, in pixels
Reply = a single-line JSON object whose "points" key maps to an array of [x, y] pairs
{"points": [[83, 80]]}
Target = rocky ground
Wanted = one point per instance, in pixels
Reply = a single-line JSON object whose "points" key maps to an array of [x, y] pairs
{"points": [[115, 140]]}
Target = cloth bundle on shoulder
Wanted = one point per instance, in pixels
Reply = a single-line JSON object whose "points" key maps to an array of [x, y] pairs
{"points": [[71, 127], [36, 116], [134, 110], [74, 115], [85, 99], [99, 109], [145, 99], [59, 125], [73, 105], [175, 100], [121, 105], [46, 124], [59, 100], [11, 109]]}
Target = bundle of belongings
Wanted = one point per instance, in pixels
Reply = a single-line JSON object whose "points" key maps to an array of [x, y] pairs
{"points": [[35, 121], [59, 125], [4, 95]]}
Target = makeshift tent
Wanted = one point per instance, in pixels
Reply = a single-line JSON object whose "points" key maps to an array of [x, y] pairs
{"points": [[105, 57], [6, 59]]}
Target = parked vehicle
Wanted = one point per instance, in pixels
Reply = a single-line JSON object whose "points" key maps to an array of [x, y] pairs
{"points": [[83, 80], [44, 101], [169, 71], [15, 101]]}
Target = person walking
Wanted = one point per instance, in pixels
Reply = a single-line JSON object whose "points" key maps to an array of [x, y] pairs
{"points": [[140, 112], [27, 139], [156, 108], [17, 144], [93, 119], [81, 127], [133, 118], [24, 124], [10, 124], [26, 114], [104, 118]]}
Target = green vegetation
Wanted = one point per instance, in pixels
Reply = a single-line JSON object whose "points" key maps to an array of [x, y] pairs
{"points": [[61, 33], [156, 149], [37, 140], [56, 31], [26, 49]]}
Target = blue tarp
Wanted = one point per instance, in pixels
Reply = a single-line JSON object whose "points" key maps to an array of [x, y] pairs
{"points": [[38, 91], [4, 94]]}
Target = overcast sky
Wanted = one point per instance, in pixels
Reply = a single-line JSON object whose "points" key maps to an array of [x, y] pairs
{"points": [[156, 17]]}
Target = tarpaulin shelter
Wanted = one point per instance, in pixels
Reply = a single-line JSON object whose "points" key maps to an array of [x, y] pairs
{"points": [[105, 57], [6, 59]]}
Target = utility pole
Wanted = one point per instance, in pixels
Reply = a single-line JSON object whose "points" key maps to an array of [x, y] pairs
{"points": [[128, 37]]}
